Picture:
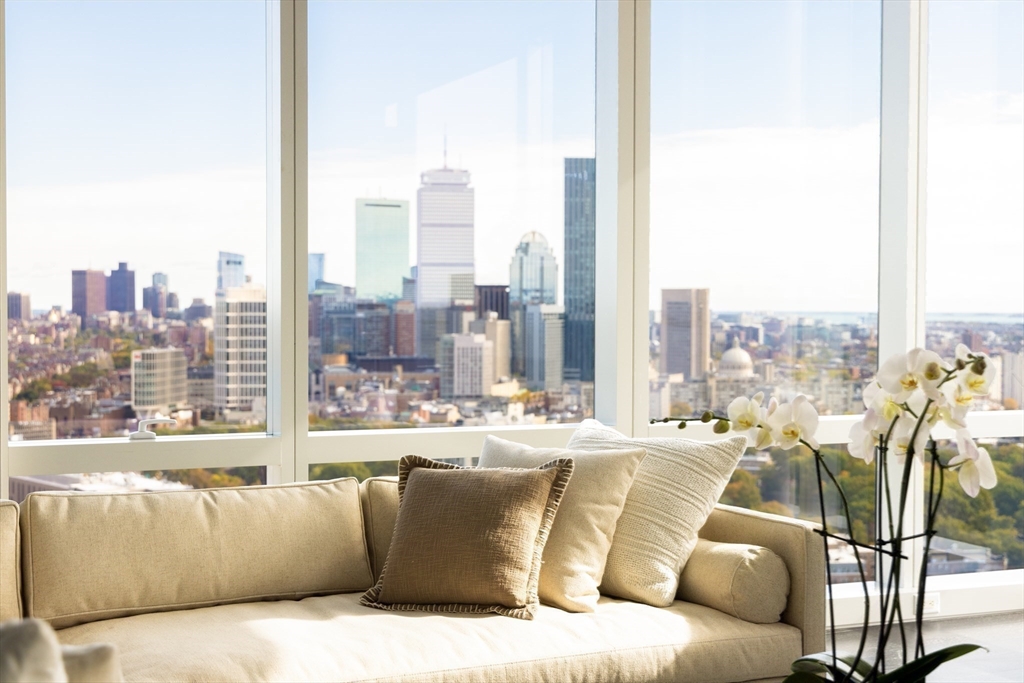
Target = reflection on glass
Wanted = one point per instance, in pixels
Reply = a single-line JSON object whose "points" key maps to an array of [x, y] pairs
{"points": [[451, 214], [136, 217], [976, 187], [764, 158], [985, 533]]}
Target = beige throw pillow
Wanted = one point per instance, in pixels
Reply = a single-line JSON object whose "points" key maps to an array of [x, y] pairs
{"points": [[577, 548], [468, 539], [675, 488], [746, 581]]}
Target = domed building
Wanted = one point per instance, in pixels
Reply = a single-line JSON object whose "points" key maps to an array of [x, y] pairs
{"points": [[736, 363], [734, 376]]}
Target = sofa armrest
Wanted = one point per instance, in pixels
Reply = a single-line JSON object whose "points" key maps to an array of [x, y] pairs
{"points": [[10, 561], [799, 547]]}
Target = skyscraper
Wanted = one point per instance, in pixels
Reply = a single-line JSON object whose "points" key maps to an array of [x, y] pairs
{"points": [[314, 271], [492, 298], [499, 333], [580, 254], [533, 279], [685, 332], [18, 306], [88, 293], [230, 270], [121, 289], [545, 329], [154, 299], [444, 248], [159, 381], [240, 350], [403, 324], [382, 247], [467, 365]]}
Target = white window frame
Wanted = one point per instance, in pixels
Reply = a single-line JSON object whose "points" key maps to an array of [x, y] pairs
{"points": [[622, 145]]}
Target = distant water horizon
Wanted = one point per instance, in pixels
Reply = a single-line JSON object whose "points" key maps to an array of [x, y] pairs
{"points": [[859, 317]]}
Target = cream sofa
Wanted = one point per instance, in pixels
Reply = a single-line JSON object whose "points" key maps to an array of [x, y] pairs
{"points": [[263, 584]]}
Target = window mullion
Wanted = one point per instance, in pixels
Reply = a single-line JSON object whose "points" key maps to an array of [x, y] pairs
{"points": [[614, 358], [901, 217], [281, 248]]}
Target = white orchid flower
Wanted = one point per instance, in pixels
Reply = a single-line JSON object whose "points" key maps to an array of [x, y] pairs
{"points": [[978, 383], [794, 421], [763, 438], [905, 373], [976, 469], [773, 403], [882, 403], [746, 416], [958, 401], [863, 438], [745, 413], [902, 433]]}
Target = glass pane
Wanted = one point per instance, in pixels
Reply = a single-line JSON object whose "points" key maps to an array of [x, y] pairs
{"points": [[976, 187], [451, 213], [785, 483], [136, 216], [123, 482], [764, 159], [985, 533]]}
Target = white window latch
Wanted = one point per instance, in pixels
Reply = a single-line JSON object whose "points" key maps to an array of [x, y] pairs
{"points": [[144, 434]]}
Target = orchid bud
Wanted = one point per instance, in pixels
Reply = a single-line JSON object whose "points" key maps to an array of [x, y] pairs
{"points": [[960, 364], [681, 425], [978, 366], [721, 427], [932, 371], [708, 416]]}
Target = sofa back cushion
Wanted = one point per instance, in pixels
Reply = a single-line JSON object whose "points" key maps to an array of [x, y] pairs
{"points": [[380, 510], [88, 557], [10, 556]]}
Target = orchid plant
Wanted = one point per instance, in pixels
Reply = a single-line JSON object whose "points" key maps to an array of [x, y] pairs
{"points": [[912, 393]]}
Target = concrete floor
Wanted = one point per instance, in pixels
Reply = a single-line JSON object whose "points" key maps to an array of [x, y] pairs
{"points": [[1002, 634]]}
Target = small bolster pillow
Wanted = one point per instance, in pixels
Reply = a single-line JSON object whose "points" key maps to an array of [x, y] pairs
{"points": [[746, 581]]}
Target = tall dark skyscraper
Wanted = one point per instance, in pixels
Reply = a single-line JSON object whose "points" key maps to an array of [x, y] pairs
{"points": [[88, 293], [580, 238], [19, 306], [121, 289]]}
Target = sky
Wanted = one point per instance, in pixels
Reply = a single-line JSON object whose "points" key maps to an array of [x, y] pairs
{"points": [[136, 132]]}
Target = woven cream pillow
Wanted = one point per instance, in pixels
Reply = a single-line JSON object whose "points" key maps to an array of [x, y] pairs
{"points": [[469, 539], [675, 489], [577, 548]]}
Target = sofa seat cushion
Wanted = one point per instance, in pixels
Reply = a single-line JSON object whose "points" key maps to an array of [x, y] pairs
{"points": [[333, 638]]}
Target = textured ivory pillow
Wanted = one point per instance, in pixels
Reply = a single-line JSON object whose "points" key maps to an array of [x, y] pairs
{"points": [[577, 547], [746, 581], [468, 539], [675, 488]]}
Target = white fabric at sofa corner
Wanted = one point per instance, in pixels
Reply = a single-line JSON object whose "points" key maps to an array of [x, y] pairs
{"points": [[329, 636]]}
